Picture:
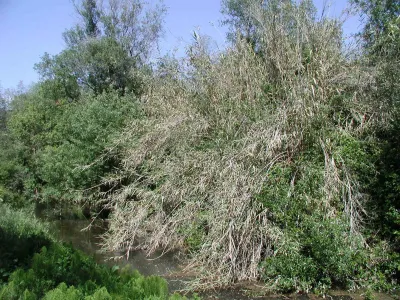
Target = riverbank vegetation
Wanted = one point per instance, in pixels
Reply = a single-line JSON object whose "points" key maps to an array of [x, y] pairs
{"points": [[274, 159], [33, 265]]}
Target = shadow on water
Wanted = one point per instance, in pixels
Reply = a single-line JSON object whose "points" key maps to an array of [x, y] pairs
{"points": [[89, 240], [77, 232]]}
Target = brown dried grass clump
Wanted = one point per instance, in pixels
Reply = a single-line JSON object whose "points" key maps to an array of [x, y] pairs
{"points": [[213, 130]]}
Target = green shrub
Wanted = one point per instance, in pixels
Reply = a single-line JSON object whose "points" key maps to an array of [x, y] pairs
{"points": [[146, 288], [63, 292], [21, 235], [319, 255], [21, 223], [100, 294], [12, 172], [76, 157], [63, 146], [60, 272], [320, 248]]}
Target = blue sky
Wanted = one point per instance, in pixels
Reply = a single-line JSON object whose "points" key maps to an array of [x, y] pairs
{"points": [[28, 28]]}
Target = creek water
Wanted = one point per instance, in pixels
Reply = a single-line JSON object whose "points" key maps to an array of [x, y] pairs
{"points": [[88, 239]]}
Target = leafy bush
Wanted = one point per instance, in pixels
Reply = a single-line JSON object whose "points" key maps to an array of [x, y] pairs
{"points": [[60, 272], [66, 144], [318, 255], [21, 236], [63, 292], [318, 249], [79, 155], [13, 173], [21, 223]]}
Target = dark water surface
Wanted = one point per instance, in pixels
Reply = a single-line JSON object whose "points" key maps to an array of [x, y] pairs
{"points": [[88, 239]]}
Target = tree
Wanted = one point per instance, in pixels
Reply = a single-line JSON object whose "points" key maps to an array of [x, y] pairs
{"points": [[59, 75], [59, 148], [285, 34], [249, 19], [90, 15], [79, 155], [137, 29], [97, 65], [114, 39], [134, 26], [33, 117], [381, 44], [377, 15], [241, 19], [89, 28], [3, 112]]}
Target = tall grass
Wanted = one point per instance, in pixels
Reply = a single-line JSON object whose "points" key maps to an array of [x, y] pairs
{"points": [[219, 124]]}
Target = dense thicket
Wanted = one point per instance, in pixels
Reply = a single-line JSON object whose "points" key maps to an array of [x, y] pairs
{"points": [[381, 44], [274, 159], [264, 160], [57, 139]]}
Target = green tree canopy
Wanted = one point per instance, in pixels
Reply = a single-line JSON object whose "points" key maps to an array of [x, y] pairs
{"points": [[133, 24], [96, 65], [377, 15], [113, 39]]}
